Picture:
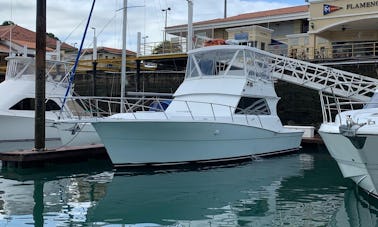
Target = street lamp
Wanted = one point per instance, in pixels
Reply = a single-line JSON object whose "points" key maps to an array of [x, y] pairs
{"points": [[94, 44], [165, 32], [144, 44]]}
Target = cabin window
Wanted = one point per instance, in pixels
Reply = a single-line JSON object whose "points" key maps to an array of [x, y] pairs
{"points": [[52, 105], [217, 62], [29, 104], [257, 66], [249, 105], [373, 102]]}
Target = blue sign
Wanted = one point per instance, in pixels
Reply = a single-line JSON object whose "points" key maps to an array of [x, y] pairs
{"points": [[241, 36]]}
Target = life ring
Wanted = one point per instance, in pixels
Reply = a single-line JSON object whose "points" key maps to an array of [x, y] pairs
{"points": [[214, 42]]}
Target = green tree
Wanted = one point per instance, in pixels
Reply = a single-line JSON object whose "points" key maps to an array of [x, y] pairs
{"points": [[167, 47], [7, 22], [51, 35]]}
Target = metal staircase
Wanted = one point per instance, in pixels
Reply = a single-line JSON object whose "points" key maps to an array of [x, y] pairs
{"points": [[318, 77]]}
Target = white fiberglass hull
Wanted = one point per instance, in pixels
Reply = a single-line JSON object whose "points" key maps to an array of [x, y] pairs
{"points": [[171, 142], [77, 134], [357, 160], [21, 128]]}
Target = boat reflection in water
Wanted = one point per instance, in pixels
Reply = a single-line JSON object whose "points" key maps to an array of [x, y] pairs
{"points": [[358, 210], [303, 189]]}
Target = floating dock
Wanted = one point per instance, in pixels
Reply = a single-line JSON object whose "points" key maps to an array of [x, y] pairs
{"points": [[74, 154], [32, 158]]}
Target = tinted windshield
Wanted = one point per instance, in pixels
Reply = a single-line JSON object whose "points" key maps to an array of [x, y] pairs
{"points": [[373, 103]]}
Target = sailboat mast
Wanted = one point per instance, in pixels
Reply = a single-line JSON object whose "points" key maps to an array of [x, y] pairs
{"points": [[123, 69]]}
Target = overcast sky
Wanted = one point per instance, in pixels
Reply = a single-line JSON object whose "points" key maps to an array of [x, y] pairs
{"points": [[67, 18]]}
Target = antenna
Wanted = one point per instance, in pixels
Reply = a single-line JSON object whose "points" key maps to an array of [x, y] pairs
{"points": [[10, 30]]}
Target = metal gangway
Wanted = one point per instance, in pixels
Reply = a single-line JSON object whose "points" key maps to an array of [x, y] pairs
{"points": [[322, 78]]}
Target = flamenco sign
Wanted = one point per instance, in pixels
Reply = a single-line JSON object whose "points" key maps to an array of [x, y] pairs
{"points": [[361, 5], [327, 9]]}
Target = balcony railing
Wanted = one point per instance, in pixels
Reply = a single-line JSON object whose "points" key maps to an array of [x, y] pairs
{"points": [[352, 50], [342, 51]]}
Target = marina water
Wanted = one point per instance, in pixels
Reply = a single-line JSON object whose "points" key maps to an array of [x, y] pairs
{"points": [[301, 189]]}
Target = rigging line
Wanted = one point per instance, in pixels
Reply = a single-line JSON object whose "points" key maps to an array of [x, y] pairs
{"points": [[69, 35], [144, 18], [72, 74]]}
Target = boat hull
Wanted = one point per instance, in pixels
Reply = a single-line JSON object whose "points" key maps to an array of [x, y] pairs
{"points": [[356, 161], [21, 128], [77, 134], [172, 142]]}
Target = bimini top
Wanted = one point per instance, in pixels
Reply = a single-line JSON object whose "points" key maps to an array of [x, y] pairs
{"points": [[228, 60]]}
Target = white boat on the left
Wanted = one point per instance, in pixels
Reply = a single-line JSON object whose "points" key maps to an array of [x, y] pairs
{"points": [[17, 97]]}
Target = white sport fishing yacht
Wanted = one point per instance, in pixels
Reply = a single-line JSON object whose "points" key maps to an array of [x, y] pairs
{"points": [[224, 110], [352, 139], [17, 94]]}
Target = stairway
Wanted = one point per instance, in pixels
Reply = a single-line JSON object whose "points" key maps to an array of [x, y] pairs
{"points": [[322, 78]]}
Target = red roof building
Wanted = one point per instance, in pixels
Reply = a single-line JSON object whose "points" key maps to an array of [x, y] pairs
{"points": [[21, 37]]}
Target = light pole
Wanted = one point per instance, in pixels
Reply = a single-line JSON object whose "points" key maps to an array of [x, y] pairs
{"points": [[165, 32], [190, 25], [94, 44], [144, 44]]}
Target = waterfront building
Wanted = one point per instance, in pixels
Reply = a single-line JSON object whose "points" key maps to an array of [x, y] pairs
{"points": [[319, 30], [107, 58], [20, 41]]}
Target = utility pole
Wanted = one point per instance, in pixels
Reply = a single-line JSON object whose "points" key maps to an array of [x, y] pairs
{"points": [[225, 8]]}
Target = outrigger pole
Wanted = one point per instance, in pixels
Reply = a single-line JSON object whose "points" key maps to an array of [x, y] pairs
{"points": [[73, 71]]}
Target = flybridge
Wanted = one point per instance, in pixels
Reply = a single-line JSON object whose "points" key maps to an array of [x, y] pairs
{"points": [[306, 74]]}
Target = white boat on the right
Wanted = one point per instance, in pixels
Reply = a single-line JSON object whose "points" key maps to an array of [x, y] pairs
{"points": [[351, 137]]}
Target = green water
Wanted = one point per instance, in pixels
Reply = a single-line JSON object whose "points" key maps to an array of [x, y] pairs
{"points": [[303, 189]]}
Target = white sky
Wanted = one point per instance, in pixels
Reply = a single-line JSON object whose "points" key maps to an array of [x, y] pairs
{"points": [[67, 18]]}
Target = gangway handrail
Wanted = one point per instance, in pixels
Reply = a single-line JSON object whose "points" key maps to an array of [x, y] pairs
{"points": [[332, 104], [319, 77]]}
